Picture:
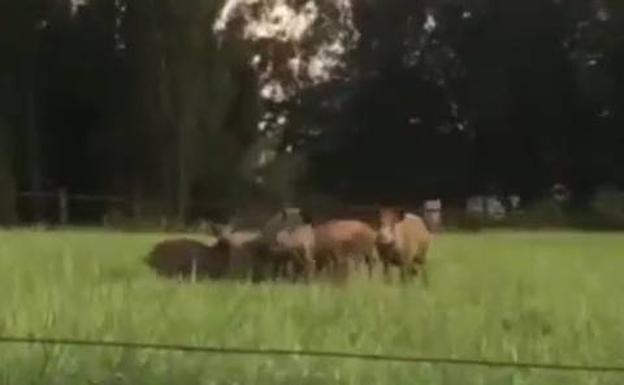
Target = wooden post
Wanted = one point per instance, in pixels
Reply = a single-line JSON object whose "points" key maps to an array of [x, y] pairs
{"points": [[194, 270], [63, 206], [484, 208], [137, 212], [137, 200], [433, 214]]}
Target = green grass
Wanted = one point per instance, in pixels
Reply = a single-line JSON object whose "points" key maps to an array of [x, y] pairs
{"points": [[545, 297]]}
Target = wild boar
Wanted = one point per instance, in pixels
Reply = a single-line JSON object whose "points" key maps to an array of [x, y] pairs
{"points": [[403, 241]]}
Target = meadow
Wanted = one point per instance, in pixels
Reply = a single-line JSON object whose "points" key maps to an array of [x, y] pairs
{"points": [[552, 297]]}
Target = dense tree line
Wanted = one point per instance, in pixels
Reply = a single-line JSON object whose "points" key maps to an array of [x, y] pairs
{"points": [[449, 98]]}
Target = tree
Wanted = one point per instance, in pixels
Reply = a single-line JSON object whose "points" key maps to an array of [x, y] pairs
{"points": [[293, 47], [188, 88], [19, 36]]}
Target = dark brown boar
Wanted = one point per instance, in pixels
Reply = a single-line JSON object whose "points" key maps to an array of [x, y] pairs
{"points": [[244, 251], [186, 257]]}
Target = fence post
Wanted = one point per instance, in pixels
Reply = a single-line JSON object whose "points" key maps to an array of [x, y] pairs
{"points": [[433, 214], [137, 201], [63, 206], [137, 211]]}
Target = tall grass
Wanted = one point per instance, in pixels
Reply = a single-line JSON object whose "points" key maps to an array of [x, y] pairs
{"points": [[546, 297]]}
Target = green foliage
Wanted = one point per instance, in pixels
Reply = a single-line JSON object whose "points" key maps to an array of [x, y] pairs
{"points": [[545, 297], [609, 201], [141, 95]]}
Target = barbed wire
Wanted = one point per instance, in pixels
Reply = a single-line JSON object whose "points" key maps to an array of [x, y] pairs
{"points": [[308, 353]]}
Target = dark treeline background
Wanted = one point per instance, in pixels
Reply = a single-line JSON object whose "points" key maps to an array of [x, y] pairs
{"points": [[139, 98]]}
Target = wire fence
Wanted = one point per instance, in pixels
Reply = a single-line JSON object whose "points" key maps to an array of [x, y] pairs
{"points": [[311, 353], [62, 208]]}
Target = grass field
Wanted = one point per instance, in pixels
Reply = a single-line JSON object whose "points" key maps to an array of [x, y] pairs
{"points": [[546, 297]]}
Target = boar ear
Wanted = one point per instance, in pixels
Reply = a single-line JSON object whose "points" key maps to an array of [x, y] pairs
{"points": [[227, 230]]}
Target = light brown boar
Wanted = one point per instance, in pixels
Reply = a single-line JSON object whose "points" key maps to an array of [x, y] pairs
{"points": [[295, 247], [339, 242], [290, 241], [403, 241], [266, 252]]}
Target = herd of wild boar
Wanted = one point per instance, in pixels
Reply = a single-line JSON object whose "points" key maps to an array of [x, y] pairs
{"points": [[291, 246]]}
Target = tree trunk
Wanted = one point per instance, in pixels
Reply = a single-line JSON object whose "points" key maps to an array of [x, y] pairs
{"points": [[183, 175], [34, 171], [8, 193]]}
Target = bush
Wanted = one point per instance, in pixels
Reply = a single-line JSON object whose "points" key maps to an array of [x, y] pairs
{"points": [[543, 212], [609, 201]]}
